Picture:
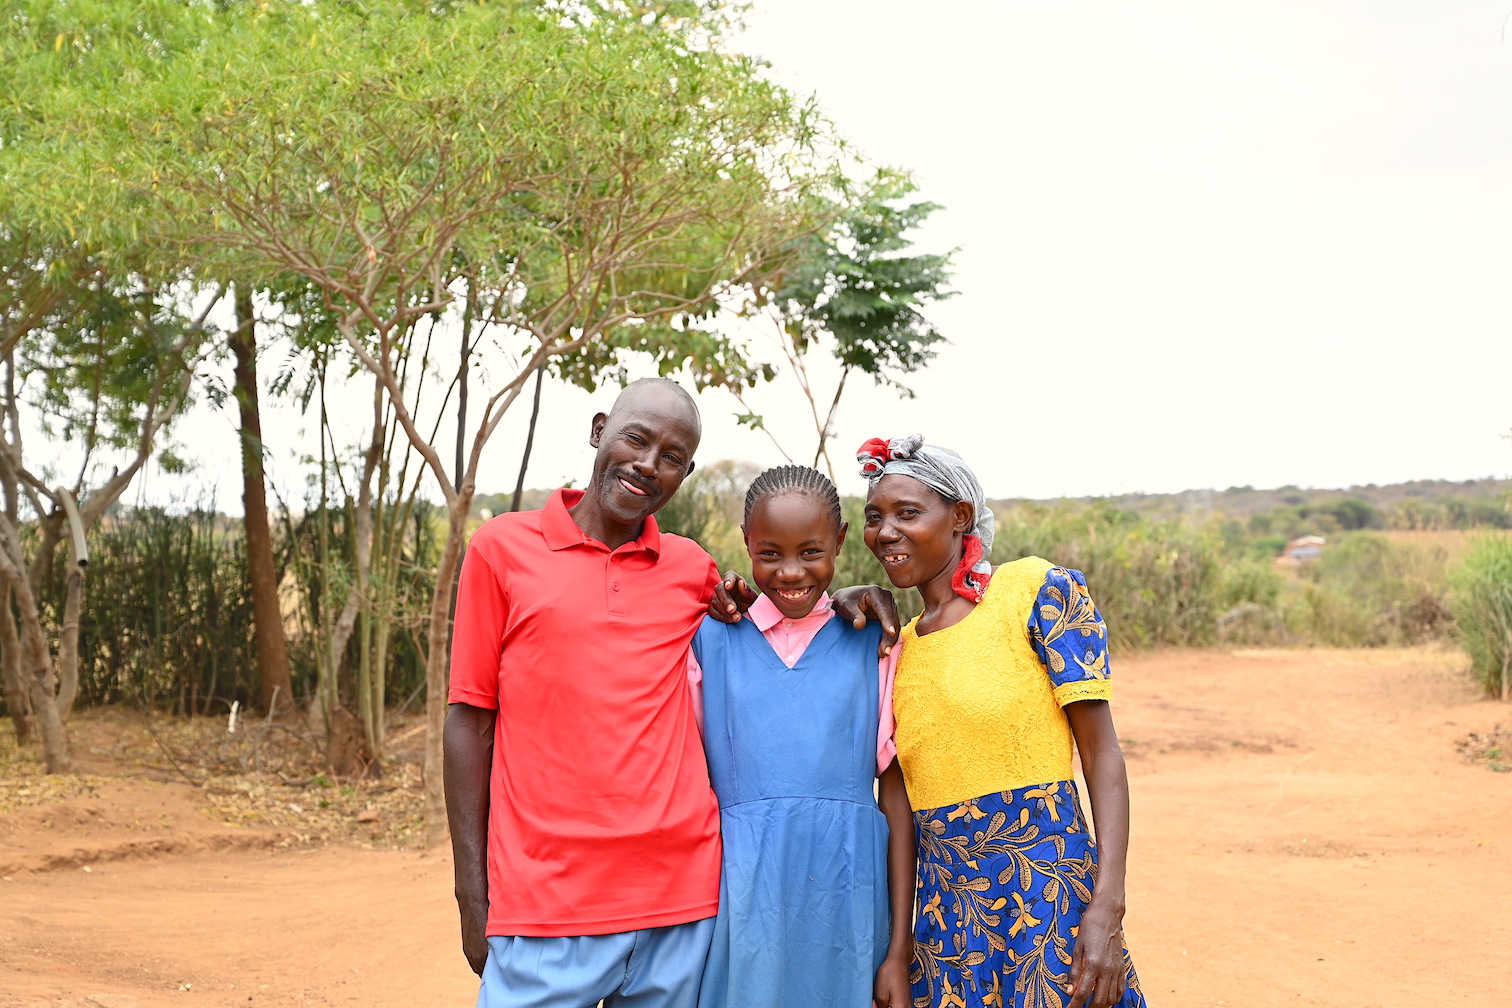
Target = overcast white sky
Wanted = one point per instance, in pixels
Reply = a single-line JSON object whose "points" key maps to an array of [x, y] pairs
{"points": [[1201, 243]]}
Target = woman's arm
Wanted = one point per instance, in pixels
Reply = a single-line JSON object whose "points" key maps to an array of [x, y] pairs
{"points": [[891, 989], [1098, 970], [860, 603]]}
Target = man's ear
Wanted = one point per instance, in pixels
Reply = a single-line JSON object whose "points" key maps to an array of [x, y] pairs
{"points": [[596, 432], [690, 469], [965, 516]]}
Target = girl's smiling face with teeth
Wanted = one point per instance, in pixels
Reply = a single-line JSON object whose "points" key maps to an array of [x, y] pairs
{"points": [[793, 540]]}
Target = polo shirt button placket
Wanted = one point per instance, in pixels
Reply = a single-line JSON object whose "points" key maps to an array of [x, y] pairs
{"points": [[616, 606]]}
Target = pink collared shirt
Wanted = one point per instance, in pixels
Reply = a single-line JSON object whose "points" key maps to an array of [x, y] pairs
{"points": [[789, 639]]}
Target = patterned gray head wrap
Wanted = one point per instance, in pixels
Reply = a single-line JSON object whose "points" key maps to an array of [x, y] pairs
{"points": [[944, 472]]}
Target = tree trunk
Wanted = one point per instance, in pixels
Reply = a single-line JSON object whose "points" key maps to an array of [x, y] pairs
{"points": [[378, 635], [828, 427], [267, 617], [468, 311], [54, 738], [535, 411], [10, 492], [360, 528], [41, 681], [437, 666], [17, 700], [68, 641], [327, 695], [49, 532], [73, 601]]}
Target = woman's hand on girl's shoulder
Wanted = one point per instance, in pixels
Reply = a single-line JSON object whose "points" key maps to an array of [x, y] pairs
{"points": [[861, 603]]}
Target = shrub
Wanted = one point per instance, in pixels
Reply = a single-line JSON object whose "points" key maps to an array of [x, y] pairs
{"points": [[1481, 601], [167, 612], [1267, 547], [1367, 590], [1157, 582]]}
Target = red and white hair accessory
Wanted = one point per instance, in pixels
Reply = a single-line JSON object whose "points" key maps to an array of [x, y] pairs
{"points": [[873, 455]]}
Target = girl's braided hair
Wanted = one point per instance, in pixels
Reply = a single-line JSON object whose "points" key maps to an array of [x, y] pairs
{"points": [[794, 479]]}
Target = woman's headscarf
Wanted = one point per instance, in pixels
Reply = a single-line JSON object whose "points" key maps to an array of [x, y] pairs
{"points": [[946, 473]]}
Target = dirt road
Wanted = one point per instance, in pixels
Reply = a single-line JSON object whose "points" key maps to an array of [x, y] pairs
{"points": [[1305, 833]]}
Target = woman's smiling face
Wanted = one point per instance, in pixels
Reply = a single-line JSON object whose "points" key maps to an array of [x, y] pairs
{"points": [[913, 531]]}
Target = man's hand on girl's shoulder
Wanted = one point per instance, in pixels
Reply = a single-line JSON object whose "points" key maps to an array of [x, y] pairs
{"points": [[732, 596]]}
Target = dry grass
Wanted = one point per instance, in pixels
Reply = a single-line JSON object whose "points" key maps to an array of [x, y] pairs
{"points": [[1454, 543], [24, 779], [264, 774]]}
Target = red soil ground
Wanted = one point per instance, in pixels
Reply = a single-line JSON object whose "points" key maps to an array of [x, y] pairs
{"points": [[1307, 831]]}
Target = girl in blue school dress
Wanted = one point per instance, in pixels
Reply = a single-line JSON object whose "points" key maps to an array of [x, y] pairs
{"points": [[816, 895]]}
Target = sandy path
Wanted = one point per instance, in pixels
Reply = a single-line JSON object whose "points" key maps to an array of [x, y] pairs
{"points": [[330, 927], [1307, 835], [1304, 834]]}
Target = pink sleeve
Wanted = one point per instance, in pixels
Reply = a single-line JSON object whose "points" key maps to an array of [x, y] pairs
{"points": [[477, 642], [887, 746], [695, 688]]}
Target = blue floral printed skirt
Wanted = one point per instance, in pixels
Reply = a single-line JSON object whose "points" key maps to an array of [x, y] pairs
{"points": [[1003, 881]]}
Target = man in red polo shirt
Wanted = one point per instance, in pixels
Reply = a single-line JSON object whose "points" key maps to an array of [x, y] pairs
{"points": [[584, 831]]}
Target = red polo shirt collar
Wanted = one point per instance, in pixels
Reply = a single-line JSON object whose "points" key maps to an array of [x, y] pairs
{"points": [[561, 532]]}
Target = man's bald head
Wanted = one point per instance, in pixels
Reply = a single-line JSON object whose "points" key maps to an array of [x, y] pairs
{"points": [[663, 392]]}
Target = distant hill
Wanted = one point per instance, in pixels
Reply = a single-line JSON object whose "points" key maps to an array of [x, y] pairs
{"points": [[1419, 504], [1455, 502]]}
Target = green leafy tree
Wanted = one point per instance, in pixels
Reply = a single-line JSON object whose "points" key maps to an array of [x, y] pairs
{"points": [[603, 171], [97, 350], [852, 287], [102, 370], [1352, 513]]}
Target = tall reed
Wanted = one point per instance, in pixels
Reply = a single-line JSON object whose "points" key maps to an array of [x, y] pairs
{"points": [[167, 612], [1481, 600]]}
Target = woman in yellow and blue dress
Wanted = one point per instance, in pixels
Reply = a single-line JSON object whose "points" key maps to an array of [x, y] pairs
{"points": [[1017, 905]]}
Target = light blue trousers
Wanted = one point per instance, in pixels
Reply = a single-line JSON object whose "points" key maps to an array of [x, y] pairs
{"points": [[650, 968]]}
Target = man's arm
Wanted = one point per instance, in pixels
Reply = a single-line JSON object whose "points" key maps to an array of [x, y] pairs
{"points": [[856, 605], [732, 596], [469, 743]]}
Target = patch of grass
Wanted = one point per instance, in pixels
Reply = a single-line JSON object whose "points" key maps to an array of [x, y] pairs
{"points": [[1489, 749]]}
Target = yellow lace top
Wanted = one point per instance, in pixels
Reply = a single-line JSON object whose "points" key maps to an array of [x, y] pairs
{"points": [[978, 704]]}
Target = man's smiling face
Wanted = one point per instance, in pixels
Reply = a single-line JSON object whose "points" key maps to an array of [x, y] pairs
{"points": [[645, 450]]}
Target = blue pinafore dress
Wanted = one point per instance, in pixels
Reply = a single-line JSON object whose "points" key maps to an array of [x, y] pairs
{"points": [[803, 912]]}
